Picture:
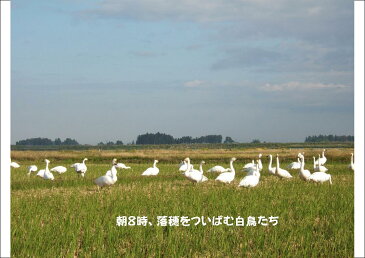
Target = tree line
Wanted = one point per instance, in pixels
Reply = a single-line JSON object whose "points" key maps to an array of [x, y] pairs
{"points": [[162, 138], [46, 141], [329, 138]]}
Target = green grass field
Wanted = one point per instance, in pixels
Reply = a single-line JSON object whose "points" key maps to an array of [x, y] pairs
{"points": [[68, 217]]}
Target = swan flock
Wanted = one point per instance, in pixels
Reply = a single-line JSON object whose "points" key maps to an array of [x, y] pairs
{"points": [[225, 175]]}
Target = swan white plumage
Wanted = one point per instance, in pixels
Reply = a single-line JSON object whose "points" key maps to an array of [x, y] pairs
{"points": [[304, 174], [259, 162], [153, 171], [249, 165], [14, 165], [122, 166], [227, 177], [218, 169], [183, 166], [32, 168], [294, 165], [352, 165], [194, 175], [282, 173], [251, 180], [45, 173], [108, 179], [322, 160], [59, 169], [272, 170], [320, 177], [318, 168], [80, 168]]}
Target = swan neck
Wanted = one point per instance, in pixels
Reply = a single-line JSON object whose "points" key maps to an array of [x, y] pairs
{"points": [[231, 166]]}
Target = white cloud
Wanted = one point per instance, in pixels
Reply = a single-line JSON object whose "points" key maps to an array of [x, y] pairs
{"points": [[194, 83], [294, 85]]}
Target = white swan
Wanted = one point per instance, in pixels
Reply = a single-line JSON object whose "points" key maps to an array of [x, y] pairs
{"points": [[153, 171], [251, 180], [122, 166], [282, 173], [249, 165], [304, 174], [45, 173], [318, 168], [194, 175], [320, 177], [352, 165], [259, 162], [59, 169], [80, 168], [227, 177], [14, 165], [32, 168], [294, 165], [108, 179], [272, 170], [218, 169], [322, 160], [184, 166]]}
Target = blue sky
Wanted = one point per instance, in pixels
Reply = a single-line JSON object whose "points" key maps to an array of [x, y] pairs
{"points": [[108, 70]]}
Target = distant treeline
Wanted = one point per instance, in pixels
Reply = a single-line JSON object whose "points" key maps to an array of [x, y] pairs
{"points": [[46, 141], [162, 138], [329, 138]]}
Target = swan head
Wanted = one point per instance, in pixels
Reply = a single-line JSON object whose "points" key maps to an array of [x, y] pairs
{"points": [[260, 155], [203, 162], [114, 162], [187, 160], [352, 154], [46, 160], [156, 160], [85, 159], [269, 156], [233, 159]]}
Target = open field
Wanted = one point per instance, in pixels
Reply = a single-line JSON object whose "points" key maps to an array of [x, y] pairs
{"points": [[68, 217]]}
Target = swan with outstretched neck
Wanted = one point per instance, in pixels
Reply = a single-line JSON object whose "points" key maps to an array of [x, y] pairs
{"points": [[227, 177], [194, 175], [282, 173]]}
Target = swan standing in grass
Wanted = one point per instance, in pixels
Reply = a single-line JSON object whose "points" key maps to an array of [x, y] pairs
{"points": [[304, 174], [318, 168], [321, 160], [45, 173], [59, 169], [108, 179], [320, 177], [153, 171], [184, 166], [227, 177], [80, 168], [272, 170], [251, 180], [294, 165], [282, 173], [32, 168], [14, 165], [194, 175], [352, 165]]}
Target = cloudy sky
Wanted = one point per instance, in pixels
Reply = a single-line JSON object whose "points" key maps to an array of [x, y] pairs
{"points": [[109, 69]]}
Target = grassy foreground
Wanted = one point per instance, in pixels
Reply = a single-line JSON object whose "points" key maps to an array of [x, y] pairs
{"points": [[70, 218]]}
